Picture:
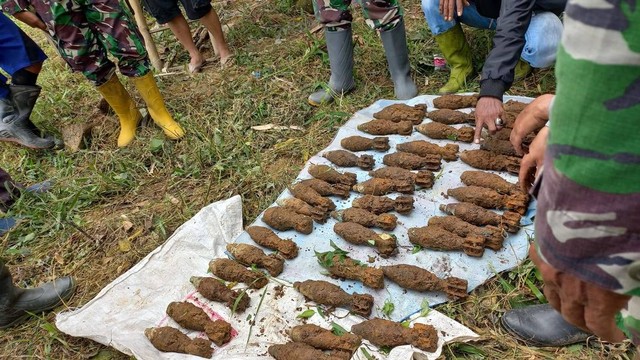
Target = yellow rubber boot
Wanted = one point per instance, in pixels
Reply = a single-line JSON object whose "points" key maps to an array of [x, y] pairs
{"points": [[150, 93], [121, 102]]}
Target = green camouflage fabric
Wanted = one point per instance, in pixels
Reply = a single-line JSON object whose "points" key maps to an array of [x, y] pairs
{"points": [[85, 31], [588, 219], [336, 14]]}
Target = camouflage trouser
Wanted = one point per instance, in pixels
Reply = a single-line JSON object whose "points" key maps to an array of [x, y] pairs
{"points": [[379, 14], [87, 30]]}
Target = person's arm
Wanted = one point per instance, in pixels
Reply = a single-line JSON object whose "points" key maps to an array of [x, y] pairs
{"points": [[508, 42], [498, 70]]}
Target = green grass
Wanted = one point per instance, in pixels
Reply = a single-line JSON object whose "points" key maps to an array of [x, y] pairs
{"points": [[77, 227]]}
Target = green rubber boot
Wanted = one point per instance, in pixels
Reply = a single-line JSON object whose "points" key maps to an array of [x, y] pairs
{"points": [[340, 49], [523, 69], [457, 52]]}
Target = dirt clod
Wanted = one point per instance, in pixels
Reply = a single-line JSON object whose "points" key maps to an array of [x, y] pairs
{"points": [[326, 293], [436, 130], [386, 127], [403, 112], [382, 332], [168, 339], [266, 237], [361, 143]]}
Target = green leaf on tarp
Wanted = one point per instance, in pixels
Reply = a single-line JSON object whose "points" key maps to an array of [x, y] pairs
{"points": [[337, 329], [366, 354], [306, 314], [424, 308]]}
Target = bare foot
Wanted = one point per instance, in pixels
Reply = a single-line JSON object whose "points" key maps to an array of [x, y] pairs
{"points": [[226, 57], [196, 63]]}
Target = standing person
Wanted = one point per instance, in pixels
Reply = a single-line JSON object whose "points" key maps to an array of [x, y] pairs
{"points": [[85, 32], [385, 16], [527, 35], [21, 58], [17, 303], [168, 12], [588, 217]]}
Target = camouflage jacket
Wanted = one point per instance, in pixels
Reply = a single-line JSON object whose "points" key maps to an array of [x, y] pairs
{"points": [[588, 220]]}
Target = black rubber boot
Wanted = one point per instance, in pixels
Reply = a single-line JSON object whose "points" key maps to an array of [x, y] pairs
{"points": [[24, 97], [395, 48], [16, 303], [542, 326], [340, 49], [15, 125]]}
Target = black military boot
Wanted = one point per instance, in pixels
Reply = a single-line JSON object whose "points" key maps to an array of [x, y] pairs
{"points": [[542, 326], [15, 125], [17, 303]]}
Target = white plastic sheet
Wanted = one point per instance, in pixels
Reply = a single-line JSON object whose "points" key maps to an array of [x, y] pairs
{"points": [[137, 300], [444, 264]]}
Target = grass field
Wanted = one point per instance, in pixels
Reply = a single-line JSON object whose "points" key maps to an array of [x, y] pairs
{"points": [[110, 207]]}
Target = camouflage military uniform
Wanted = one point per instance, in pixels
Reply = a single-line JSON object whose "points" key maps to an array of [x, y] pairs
{"points": [[379, 14], [588, 222], [86, 31]]}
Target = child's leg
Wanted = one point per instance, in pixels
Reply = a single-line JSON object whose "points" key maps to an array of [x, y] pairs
{"points": [[212, 23], [201, 10], [180, 29]]}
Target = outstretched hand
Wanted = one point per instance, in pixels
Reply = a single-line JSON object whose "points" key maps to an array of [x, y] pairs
{"points": [[583, 304], [488, 109], [532, 162], [448, 8], [532, 118]]}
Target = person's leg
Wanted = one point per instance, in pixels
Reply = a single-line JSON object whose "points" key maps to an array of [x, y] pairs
{"points": [[386, 16], [542, 39], [22, 59], [17, 303], [168, 12], [182, 32], [125, 43], [212, 23], [84, 52], [336, 18]]}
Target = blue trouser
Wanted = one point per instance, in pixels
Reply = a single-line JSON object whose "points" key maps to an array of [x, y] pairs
{"points": [[541, 39], [17, 51]]}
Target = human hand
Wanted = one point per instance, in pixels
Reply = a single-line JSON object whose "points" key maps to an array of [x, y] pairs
{"points": [[532, 162], [488, 110], [532, 118], [449, 7], [583, 304], [30, 19]]}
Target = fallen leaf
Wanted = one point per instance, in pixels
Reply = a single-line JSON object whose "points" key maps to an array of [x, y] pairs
{"points": [[59, 259], [124, 245], [127, 225], [267, 127]]}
